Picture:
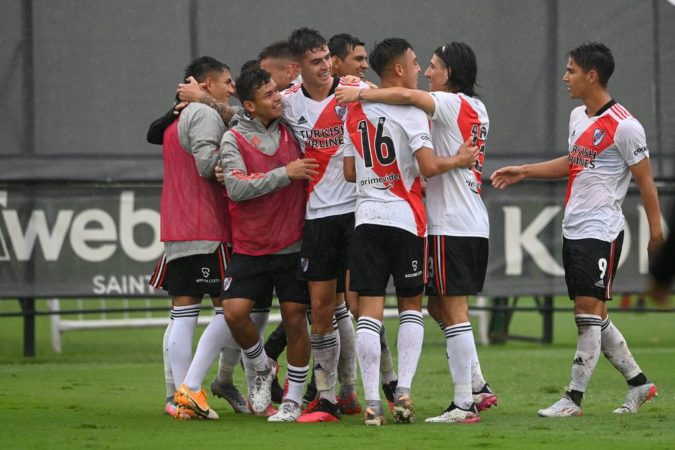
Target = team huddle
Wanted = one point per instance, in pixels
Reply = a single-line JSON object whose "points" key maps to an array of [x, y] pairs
{"points": [[323, 186]]}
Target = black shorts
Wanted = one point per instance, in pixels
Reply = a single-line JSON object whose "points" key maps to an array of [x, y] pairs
{"points": [[590, 266], [457, 265], [194, 275], [325, 243], [379, 251], [258, 277]]}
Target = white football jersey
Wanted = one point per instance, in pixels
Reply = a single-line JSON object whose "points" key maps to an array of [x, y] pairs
{"points": [[601, 150], [382, 139], [454, 204], [318, 128]]}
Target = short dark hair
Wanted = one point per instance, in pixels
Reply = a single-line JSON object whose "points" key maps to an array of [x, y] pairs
{"points": [[278, 49], [249, 82], [462, 67], [385, 52], [251, 64], [594, 56], [341, 44], [303, 40], [201, 67]]}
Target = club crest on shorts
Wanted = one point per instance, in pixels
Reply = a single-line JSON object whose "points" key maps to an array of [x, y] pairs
{"points": [[226, 283], [598, 134], [304, 264], [206, 272]]}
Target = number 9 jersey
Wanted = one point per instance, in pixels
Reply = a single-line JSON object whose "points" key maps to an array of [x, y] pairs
{"points": [[383, 139]]}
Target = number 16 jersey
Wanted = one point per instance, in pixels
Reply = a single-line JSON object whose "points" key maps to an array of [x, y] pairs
{"points": [[382, 139]]}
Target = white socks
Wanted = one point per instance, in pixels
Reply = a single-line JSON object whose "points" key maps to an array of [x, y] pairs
{"points": [[168, 375], [616, 350], [588, 350], [410, 339], [257, 358], [180, 340], [296, 381], [347, 360], [216, 336], [368, 351], [326, 351], [461, 349]]}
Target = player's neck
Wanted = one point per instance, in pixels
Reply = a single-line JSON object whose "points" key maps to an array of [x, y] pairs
{"points": [[595, 101], [318, 92], [388, 82]]}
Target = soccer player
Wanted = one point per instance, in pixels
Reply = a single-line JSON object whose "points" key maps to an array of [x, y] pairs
{"points": [[316, 120], [194, 222], [606, 145], [352, 61], [264, 176], [458, 220], [349, 58], [384, 146], [348, 54], [277, 59]]}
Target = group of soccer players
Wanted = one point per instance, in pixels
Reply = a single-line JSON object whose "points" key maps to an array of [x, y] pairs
{"points": [[323, 186]]}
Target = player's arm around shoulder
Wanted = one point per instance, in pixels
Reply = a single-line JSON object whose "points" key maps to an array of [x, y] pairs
{"points": [[431, 165], [200, 131], [392, 96]]}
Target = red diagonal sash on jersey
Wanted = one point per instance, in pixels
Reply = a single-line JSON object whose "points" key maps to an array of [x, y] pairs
{"points": [[397, 187], [466, 119], [328, 119], [606, 124]]}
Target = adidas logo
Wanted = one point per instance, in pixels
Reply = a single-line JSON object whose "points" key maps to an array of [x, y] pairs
{"points": [[302, 120], [600, 284]]}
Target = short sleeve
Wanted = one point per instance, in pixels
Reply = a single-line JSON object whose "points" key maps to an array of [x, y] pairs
{"points": [[446, 107], [631, 141], [416, 128], [347, 144]]}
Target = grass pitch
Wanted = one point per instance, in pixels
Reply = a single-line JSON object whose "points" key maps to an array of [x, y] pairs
{"points": [[106, 390]]}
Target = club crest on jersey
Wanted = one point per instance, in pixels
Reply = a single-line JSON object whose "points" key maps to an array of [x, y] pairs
{"points": [[256, 141], [341, 112], [304, 264], [206, 272], [598, 134], [226, 283]]}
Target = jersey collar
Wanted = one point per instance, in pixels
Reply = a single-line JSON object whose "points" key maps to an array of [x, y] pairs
{"points": [[608, 105], [336, 82]]}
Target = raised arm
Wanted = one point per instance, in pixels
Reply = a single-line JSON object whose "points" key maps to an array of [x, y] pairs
{"points": [[392, 96], [192, 92], [506, 176], [156, 130]]}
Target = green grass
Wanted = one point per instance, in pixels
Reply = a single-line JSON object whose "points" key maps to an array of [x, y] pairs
{"points": [[106, 390]]}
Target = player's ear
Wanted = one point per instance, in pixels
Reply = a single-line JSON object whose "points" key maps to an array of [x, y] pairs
{"points": [[249, 106], [398, 69]]}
